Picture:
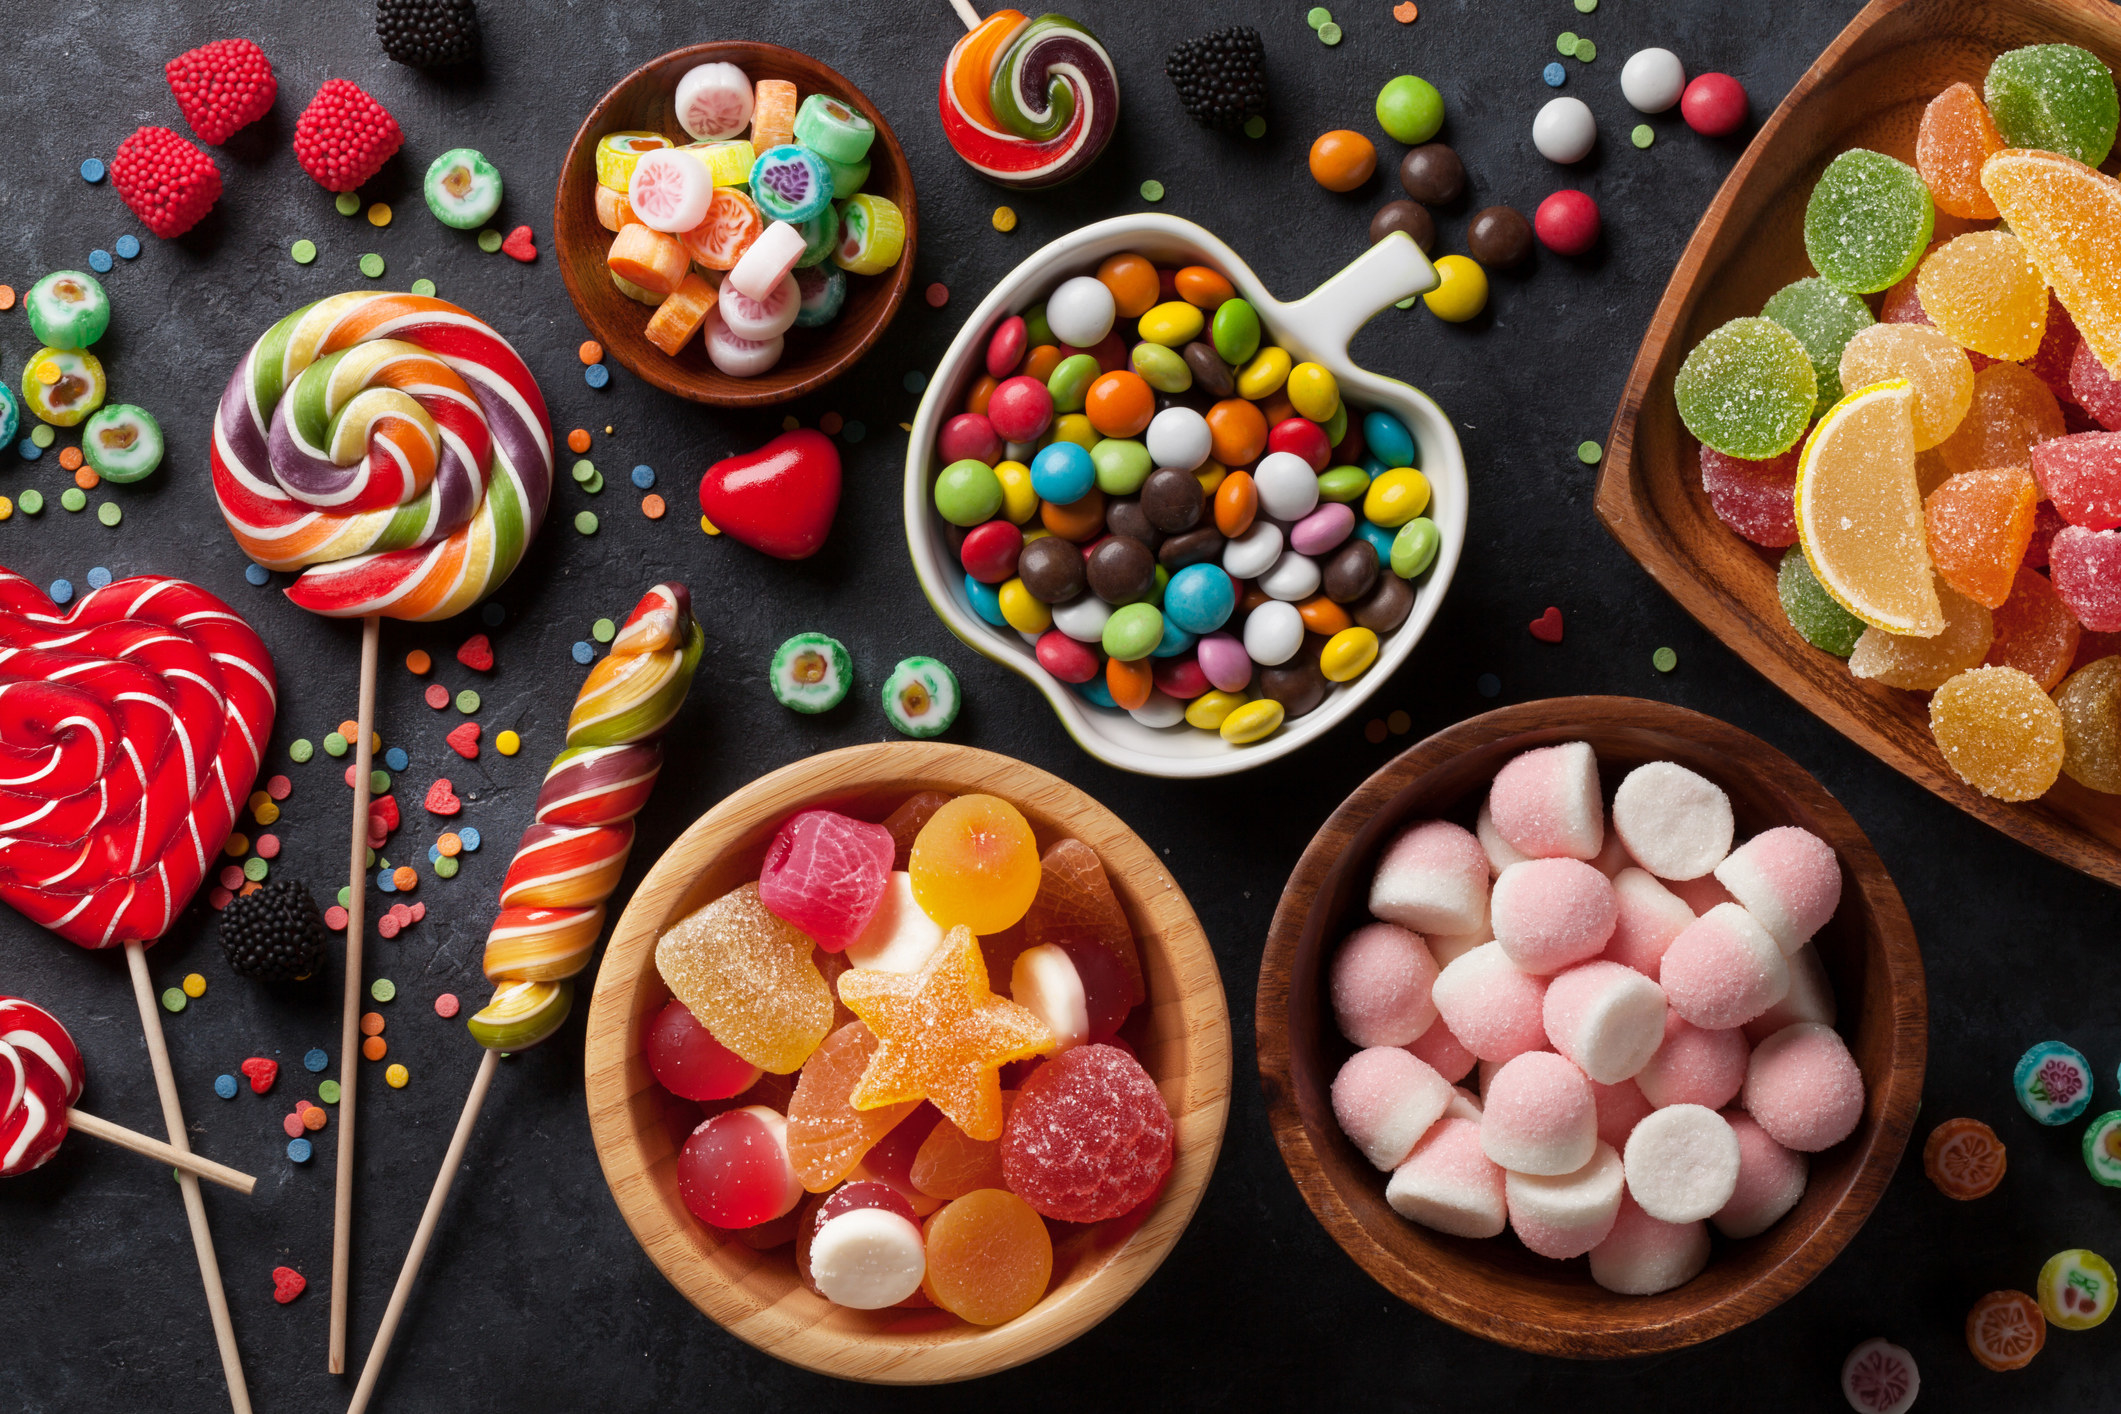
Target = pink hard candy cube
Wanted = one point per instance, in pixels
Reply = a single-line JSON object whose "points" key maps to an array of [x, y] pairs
{"points": [[826, 873]]}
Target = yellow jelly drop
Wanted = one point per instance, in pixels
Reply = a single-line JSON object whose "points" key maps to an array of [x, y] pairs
{"points": [[1934, 366], [1209, 710], [1985, 294], [2090, 700], [396, 1077], [1174, 324], [1024, 612], [1314, 391], [1074, 427], [1462, 291], [1019, 501], [1252, 722], [1267, 371], [975, 863], [1396, 497], [1925, 664], [1348, 654], [2000, 732]]}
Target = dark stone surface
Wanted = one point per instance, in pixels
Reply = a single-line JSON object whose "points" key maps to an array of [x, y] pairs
{"points": [[536, 1295]]}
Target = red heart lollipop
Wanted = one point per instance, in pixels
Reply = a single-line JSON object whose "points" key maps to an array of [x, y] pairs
{"points": [[779, 499]]}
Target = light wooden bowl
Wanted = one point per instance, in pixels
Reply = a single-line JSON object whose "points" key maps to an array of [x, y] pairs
{"points": [[1495, 1288], [1867, 90], [646, 100], [639, 1128]]}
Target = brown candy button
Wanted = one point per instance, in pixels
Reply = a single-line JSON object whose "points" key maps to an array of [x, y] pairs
{"points": [[1432, 174], [1407, 216], [1298, 687], [1125, 516], [1351, 572], [1052, 569], [1499, 237], [1121, 569], [1210, 374], [1172, 499], [1195, 547], [1386, 607]]}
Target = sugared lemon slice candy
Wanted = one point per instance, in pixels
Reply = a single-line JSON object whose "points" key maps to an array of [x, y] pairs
{"points": [[1859, 511]]}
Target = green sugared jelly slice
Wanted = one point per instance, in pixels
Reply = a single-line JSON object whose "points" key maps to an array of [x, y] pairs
{"points": [[2057, 97], [1818, 619], [1868, 221], [920, 697], [1824, 319], [1747, 389], [811, 673]]}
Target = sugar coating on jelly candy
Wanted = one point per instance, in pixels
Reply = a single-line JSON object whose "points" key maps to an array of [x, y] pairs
{"points": [[825, 873], [1859, 512], [2093, 388], [1755, 498], [1747, 389], [1075, 910], [827, 1135], [2056, 97], [2000, 732], [1824, 319], [1934, 366], [1816, 615], [2035, 632], [2065, 214], [749, 978], [2012, 412], [1090, 1137], [2081, 475], [1980, 523], [1925, 664], [1955, 138], [1985, 294], [2086, 566], [2090, 703], [1868, 221]]}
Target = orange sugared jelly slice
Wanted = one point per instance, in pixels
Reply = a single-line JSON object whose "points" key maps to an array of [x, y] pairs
{"points": [[989, 1257], [1984, 292], [827, 1136], [1075, 907], [943, 1035], [2000, 732], [1956, 137], [749, 978], [2067, 215], [1979, 525], [951, 1164], [975, 862], [2034, 631], [2013, 411], [1924, 664]]}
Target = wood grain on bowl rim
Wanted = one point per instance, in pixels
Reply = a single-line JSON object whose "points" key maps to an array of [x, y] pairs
{"points": [[756, 1296], [645, 99], [1868, 88], [1494, 1288]]}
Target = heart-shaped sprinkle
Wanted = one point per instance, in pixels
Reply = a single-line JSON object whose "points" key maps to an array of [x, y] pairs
{"points": [[518, 245], [442, 799], [477, 653], [287, 1284], [1547, 627], [384, 808], [465, 741], [262, 1073]]}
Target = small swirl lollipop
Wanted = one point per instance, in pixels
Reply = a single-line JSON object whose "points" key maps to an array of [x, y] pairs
{"points": [[567, 865], [1028, 103]]}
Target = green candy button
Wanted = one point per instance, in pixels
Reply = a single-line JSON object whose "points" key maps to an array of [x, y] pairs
{"points": [[383, 989], [301, 750]]}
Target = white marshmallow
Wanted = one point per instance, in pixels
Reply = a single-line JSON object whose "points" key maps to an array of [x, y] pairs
{"points": [[1682, 1163], [1677, 823]]}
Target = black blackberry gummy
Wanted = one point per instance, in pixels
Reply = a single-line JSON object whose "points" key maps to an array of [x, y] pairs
{"points": [[275, 934], [428, 33], [1221, 77]]}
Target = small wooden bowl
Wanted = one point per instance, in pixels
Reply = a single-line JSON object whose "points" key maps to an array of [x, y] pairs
{"points": [[639, 1127], [1495, 1288], [645, 100], [1867, 90]]}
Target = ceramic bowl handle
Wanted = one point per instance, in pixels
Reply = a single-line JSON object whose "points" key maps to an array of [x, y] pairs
{"points": [[1388, 272]]}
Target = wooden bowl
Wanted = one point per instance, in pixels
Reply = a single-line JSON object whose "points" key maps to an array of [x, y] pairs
{"points": [[1495, 1288], [639, 1127], [1867, 90], [645, 100]]}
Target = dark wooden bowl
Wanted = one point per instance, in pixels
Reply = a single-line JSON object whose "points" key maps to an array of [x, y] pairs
{"points": [[645, 100], [1867, 90], [1495, 1288]]}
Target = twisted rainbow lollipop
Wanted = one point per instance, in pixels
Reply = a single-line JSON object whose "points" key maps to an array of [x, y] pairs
{"points": [[567, 865], [1028, 103]]}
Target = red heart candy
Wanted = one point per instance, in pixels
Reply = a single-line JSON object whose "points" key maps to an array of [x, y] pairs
{"points": [[262, 1073], [477, 652], [519, 244], [385, 809], [287, 1284], [779, 499], [1547, 627], [465, 741], [442, 799]]}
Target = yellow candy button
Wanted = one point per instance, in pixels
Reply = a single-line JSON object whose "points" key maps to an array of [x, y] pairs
{"points": [[1314, 392], [508, 743], [1023, 612], [1267, 371], [1252, 722], [266, 814], [396, 1076], [1396, 497], [1074, 427], [1208, 710], [1019, 501], [1174, 324], [1211, 475], [195, 985], [1348, 654], [1463, 292]]}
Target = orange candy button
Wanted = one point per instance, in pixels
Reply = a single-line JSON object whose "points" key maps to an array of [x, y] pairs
{"points": [[1120, 404], [451, 844], [418, 662], [653, 506], [405, 878], [591, 351], [70, 457], [374, 1048], [578, 440], [1133, 283], [372, 1023], [1239, 431], [1203, 288]]}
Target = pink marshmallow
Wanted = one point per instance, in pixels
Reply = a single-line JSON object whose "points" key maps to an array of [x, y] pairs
{"points": [[1606, 1018], [1433, 879], [1701, 894], [1464, 1105], [1682, 1163], [1385, 1101], [1620, 1108], [1644, 1255], [1694, 1067], [1676, 822], [1443, 1052], [1649, 916], [1491, 1005], [1501, 853], [1568, 1214], [1804, 1088], [1724, 970], [1448, 1184], [1810, 998], [1538, 1116], [1380, 983], [1613, 855], [1447, 948], [1787, 878], [1546, 803], [1550, 914], [1770, 1180]]}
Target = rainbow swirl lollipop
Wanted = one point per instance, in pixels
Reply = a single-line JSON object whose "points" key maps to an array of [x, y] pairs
{"points": [[1029, 103]]}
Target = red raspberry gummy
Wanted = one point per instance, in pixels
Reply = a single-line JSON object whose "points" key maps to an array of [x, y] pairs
{"points": [[687, 1061], [1089, 1137], [169, 183], [222, 87], [344, 137], [1755, 498], [826, 873]]}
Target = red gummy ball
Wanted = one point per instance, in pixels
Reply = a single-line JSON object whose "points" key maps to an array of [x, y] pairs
{"points": [[990, 551], [1713, 105], [1303, 437], [1567, 222], [1020, 409], [969, 436], [1089, 1137]]}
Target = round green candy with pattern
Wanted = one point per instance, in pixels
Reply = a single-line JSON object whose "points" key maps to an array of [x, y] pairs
{"points": [[921, 697], [2054, 96], [2054, 1082], [1747, 390], [811, 673], [1816, 615], [2102, 1148], [122, 442], [1868, 221], [833, 131], [462, 188], [1824, 319], [67, 310]]}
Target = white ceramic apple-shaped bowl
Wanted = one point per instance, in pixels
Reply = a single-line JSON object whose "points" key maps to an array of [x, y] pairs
{"points": [[1316, 328]]}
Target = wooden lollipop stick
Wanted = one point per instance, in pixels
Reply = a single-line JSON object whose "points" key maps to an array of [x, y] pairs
{"points": [[966, 13], [84, 1123], [451, 1162], [194, 1205], [350, 1016]]}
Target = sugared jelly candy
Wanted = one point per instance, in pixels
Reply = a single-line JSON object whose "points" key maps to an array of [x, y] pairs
{"points": [[734, 1171], [989, 1257], [1984, 293], [951, 1164], [890, 1159], [1075, 910], [2066, 214], [1754, 498], [825, 872], [1955, 138], [2076, 1289], [749, 978], [2012, 413], [1999, 731], [687, 1061], [2086, 567], [1859, 515], [1818, 618], [2035, 631], [905, 823], [943, 1034], [865, 1250], [1931, 363], [1824, 319], [975, 862], [2096, 391], [1868, 221], [2054, 96], [2091, 725], [2057, 354], [1923, 664], [827, 1136], [1979, 525], [1089, 1138], [2081, 475], [1747, 389]]}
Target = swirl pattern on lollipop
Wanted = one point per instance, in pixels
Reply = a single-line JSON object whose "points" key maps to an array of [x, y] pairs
{"points": [[570, 859], [393, 448], [40, 1077], [1029, 103], [131, 729]]}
